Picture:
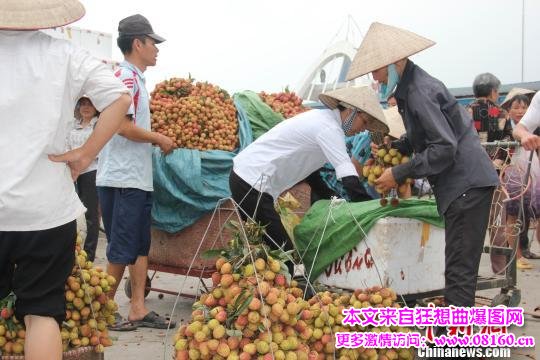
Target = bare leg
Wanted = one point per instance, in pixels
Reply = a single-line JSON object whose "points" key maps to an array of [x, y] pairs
{"points": [[512, 233], [117, 271], [137, 274], [43, 339]]}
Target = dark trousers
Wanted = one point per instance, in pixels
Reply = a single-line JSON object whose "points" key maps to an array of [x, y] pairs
{"points": [[260, 206], [86, 188], [465, 221], [524, 233]]}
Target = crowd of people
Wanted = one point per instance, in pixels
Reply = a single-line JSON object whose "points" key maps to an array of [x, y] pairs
{"points": [[94, 130]]}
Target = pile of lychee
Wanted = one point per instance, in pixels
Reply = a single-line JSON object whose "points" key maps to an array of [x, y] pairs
{"points": [[88, 311], [385, 158], [253, 311], [198, 115]]}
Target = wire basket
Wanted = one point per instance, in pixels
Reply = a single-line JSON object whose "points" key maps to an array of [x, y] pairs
{"points": [[82, 353]]}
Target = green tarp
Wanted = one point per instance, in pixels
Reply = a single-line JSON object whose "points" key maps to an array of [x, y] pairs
{"points": [[261, 116], [342, 233]]}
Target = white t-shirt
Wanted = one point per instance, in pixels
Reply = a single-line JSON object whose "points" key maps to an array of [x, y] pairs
{"points": [[78, 137], [531, 119], [292, 150], [42, 78]]}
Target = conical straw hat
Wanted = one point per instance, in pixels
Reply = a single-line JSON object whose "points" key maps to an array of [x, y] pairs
{"points": [[394, 121], [38, 14], [514, 92], [362, 98], [384, 45]]}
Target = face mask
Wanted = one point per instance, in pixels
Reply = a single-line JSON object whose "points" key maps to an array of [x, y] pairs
{"points": [[347, 124], [393, 78]]}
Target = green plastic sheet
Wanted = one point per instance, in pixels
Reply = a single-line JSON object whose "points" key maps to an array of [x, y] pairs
{"points": [[261, 116], [342, 233]]}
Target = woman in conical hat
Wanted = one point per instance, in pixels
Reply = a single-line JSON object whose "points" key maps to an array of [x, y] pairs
{"points": [[42, 78], [295, 148], [446, 148]]}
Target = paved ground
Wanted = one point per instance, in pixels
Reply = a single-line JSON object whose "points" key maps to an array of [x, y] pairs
{"points": [[151, 344]]}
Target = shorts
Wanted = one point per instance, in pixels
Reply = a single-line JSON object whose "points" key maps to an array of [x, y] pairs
{"points": [[35, 265], [531, 199], [126, 214], [530, 210]]}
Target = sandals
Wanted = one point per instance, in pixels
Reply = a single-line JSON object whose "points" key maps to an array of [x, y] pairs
{"points": [[523, 264], [121, 324], [530, 255], [536, 316], [154, 321]]}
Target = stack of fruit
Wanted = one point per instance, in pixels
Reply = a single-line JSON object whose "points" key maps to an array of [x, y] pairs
{"points": [[255, 311], [384, 158], [88, 313], [198, 115], [287, 103]]}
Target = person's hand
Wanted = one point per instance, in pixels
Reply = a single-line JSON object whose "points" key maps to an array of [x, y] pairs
{"points": [[77, 160], [386, 181], [165, 143], [530, 141], [374, 148], [498, 163]]}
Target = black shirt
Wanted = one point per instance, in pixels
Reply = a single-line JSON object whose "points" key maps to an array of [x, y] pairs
{"points": [[441, 134]]}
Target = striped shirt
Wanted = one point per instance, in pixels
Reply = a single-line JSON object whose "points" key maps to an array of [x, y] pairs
{"points": [[124, 163]]}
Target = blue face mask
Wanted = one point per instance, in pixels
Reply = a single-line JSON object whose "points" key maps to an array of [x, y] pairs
{"points": [[347, 124], [393, 78]]}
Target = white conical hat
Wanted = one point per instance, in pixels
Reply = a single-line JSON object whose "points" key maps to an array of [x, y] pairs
{"points": [[394, 121], [38, 14], [384, 45], [514, 92], [362, 98]]}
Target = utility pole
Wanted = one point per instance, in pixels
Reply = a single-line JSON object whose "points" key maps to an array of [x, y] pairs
{"points": [[522, 39]]}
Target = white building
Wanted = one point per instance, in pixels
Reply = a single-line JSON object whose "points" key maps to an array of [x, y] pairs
{"points": [[98, 43]]}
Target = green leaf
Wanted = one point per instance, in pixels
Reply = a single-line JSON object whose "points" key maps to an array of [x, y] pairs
{"points": [[212, 253], [233, 333]]}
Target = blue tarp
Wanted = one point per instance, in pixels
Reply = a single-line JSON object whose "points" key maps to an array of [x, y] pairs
{"points": [[189, 183]]}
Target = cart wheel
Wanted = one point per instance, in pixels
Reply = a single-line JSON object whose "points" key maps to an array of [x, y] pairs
{"points": [[127, 287], [500, 299]]}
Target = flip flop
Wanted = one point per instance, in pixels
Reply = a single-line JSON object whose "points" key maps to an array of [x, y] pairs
{"points": [[121, 324], [154, 321], [530, 255]]}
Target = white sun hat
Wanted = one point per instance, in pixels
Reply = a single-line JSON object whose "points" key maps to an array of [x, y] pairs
{"points": [[514, 92], [394, 121], [384, 45], [362, 98], [38, 14]]}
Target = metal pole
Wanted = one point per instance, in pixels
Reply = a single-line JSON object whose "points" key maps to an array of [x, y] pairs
{"points": [[522, 39]]}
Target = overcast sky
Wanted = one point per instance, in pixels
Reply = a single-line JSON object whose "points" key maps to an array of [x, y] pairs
{"points": [[266, 45]]}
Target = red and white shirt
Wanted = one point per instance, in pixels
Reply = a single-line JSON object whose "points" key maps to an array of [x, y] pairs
{"points": [[124, 163]]}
